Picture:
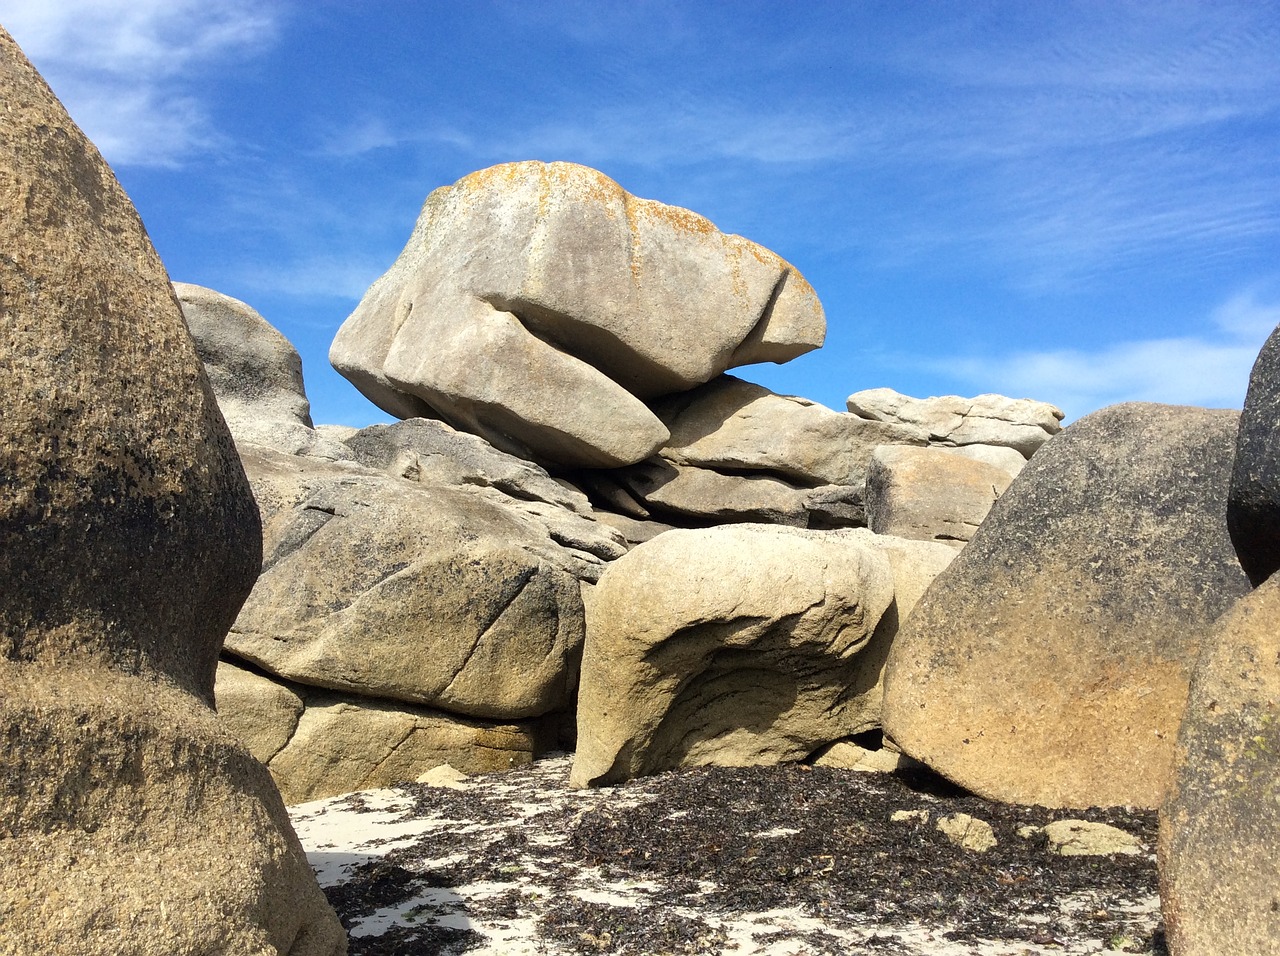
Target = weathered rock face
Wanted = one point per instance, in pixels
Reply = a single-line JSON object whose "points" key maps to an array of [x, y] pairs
{"points": [[1219, 829], [256, 375], [428, 451], [1253, 508], [1018, 423], [128, 540], [731, 645], [552, 274], [255, 372], [454, 598], [736, 426], [1050, 663], [930, 494], [318, 743]]}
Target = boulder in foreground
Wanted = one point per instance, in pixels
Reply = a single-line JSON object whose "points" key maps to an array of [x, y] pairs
{"points": [[1253, 510], [1050, 663], [743, 644], [130, 822], [1219, 829]]}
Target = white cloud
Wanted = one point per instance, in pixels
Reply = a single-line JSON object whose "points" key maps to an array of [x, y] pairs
{"points": [[323, 276], [1210, 370], [124, 68]]}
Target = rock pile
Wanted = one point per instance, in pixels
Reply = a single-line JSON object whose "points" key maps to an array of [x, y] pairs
{"points": [[693, 569]]}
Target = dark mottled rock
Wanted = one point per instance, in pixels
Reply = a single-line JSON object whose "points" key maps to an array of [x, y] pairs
{"points": [[1050, 663], [130, 823], [1220, 828], [1253, 507]]}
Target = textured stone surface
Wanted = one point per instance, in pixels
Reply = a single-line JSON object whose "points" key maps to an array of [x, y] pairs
{"points": [[128, 540], [345, 744], [1219, 829], [320, 743], [732, 425], [447, 596], [929, 494], [1088, 838], [733, 645], [1253, 508], [1050, 663], [255, 372], [552, 274], [429, 451], [1019, 423], [259, 712]]}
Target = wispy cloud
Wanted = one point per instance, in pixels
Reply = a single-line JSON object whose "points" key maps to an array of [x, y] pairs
{"points": [[125, 69], [1210, 369]]}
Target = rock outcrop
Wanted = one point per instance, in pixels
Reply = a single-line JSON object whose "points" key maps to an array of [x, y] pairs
{"points": [[128, 540], [739, 452], [995, 420], [429, 594], [552, 274], [320, 743], [1253, 508], [733, 645], [742, 644], [1219, 829], [1050, 663]]}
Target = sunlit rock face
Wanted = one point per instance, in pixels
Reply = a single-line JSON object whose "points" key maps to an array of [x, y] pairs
{"points": [[538, 305]]}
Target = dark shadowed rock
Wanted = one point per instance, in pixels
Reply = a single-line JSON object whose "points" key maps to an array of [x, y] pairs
{"points": [[130, 823], [1050, 663], [1253, 509], [1220, 828]]}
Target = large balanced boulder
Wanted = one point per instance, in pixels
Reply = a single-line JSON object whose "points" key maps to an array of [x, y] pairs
{"points": [[731, 645], [1018, 423], [552, 274], [1050, 663], [1253, 509], [1220, 827], [130, 822]]}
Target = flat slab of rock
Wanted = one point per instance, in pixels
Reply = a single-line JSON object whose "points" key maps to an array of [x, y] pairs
{"points": [[1019, 423], [731, 645], [1253, 509], [433, 452], [553, 274], [1050, 662], [320, 743], [1219, 829], [732, 425]]}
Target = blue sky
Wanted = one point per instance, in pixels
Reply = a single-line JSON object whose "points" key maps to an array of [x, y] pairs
{"points": [[1076, 202]]}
